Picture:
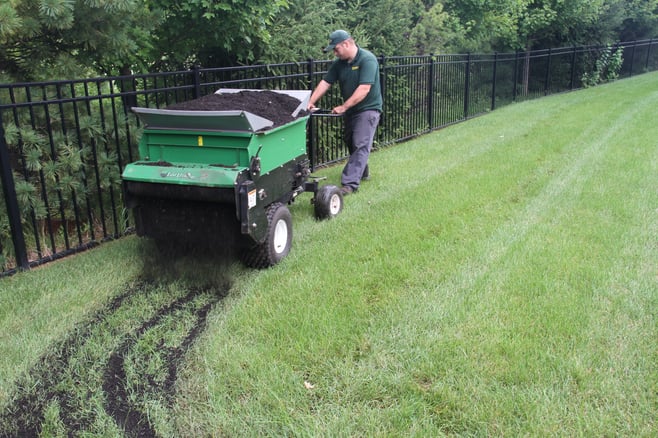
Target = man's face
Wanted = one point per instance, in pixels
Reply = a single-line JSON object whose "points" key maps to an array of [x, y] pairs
{"points": [[341, 50]]}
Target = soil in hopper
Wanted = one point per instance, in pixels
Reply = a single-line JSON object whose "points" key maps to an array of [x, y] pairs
{"points": [[270, 105]]}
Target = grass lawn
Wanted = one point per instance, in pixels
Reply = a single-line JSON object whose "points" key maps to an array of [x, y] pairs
{"points": [[497, 277]]}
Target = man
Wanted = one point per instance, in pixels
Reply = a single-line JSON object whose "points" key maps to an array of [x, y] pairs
{"points": [[357, 72]]}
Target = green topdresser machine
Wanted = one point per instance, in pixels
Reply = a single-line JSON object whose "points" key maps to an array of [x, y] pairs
{"points": [[218, 178]]}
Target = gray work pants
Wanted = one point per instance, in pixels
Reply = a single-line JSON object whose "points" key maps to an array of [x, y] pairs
{"points": [[359, 134]]}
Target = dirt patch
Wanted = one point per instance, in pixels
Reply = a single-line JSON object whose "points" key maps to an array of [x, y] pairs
{"points": [[120, 398], [124, 378], [270, 105], [24, 417]]}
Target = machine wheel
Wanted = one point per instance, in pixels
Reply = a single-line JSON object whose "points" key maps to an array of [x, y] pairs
{"points": [[328, 202], [278, 239]]}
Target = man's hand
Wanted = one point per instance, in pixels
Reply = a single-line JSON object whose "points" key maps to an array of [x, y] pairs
{"points": [[340, 109], [319, 91], [359, 94]]}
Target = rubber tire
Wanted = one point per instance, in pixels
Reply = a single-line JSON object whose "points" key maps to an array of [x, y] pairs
{"points": [[328, 202], [278, 239]]}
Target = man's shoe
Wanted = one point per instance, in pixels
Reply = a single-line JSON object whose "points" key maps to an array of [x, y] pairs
{"points": [[346, 190]]}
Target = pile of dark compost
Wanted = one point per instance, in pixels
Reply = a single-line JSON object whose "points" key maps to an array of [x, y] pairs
{"points": [[270, 105]]}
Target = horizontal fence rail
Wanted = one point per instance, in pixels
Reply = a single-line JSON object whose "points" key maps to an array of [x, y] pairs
{"points": [[63, 144]]}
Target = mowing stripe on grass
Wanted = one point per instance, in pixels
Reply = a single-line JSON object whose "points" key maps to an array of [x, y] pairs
{"points": [[470, 284], [583, 155], [497, 277], [455, 294]]}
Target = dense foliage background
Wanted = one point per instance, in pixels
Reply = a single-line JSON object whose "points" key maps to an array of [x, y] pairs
{"points": [[64, 39]]}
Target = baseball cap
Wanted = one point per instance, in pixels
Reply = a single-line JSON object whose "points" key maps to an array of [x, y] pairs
{"points": [[336, 37]]}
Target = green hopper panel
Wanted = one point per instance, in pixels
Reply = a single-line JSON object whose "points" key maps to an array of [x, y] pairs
{"points": [[213, 157]]}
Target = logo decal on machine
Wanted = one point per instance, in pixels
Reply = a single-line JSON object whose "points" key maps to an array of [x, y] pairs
{"points": [[181, 175]]}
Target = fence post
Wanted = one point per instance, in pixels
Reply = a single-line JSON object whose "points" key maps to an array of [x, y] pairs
{"points": [[630, 73], [572, 80], [467, 85], [493, 81], [381, 131], [310, 140], [196, 73], [547, 78], [646, 63], [516, 75], [430, 91], [309, 73], [11, 201], [382, 75]]}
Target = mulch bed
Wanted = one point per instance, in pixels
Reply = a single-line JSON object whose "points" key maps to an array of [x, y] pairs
{"points": [[270, 105]]}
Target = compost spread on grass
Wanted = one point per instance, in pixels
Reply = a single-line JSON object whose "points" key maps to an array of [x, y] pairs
{"points": [[110, 359], [270, 105]]}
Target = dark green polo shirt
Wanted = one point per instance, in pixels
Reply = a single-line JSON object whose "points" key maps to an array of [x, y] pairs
{"points": [[364, 69]]}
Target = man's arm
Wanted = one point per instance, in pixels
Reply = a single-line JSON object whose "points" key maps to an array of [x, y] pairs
{"points": [[359, 94], [319, 91]]}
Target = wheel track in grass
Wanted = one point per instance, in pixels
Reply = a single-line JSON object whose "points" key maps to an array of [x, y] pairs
{"points": [[135, 367]]}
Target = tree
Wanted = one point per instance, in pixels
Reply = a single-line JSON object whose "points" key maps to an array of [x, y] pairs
{"points": [[300, 31], [531, 24], [437, 31], [640, 19], [550, 23], [487, 25], [212, 32], [60, 39], [384, 26]]}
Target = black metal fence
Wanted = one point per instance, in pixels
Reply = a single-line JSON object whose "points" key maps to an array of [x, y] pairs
{"points": [[63, 144]]}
